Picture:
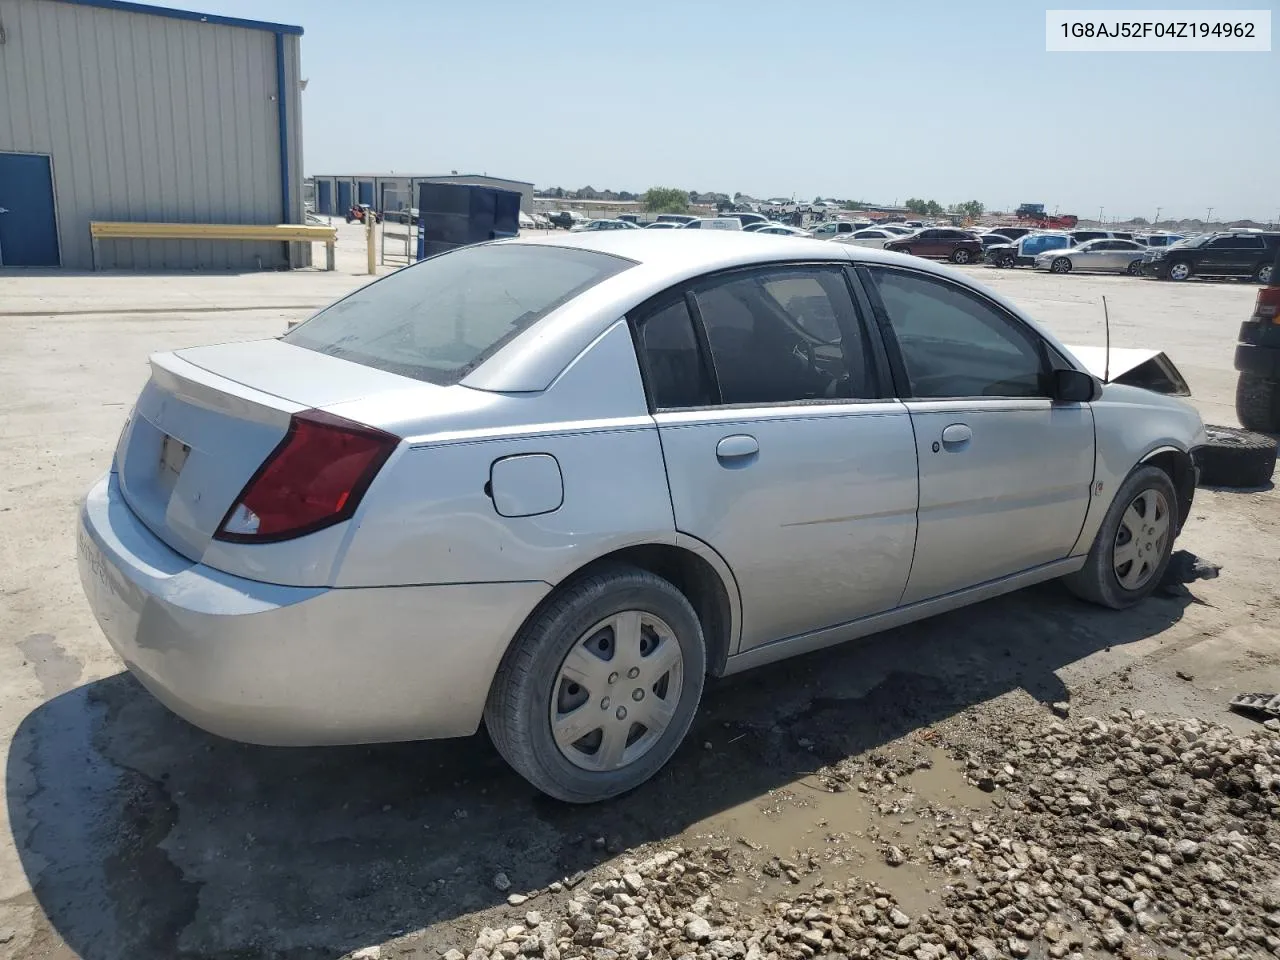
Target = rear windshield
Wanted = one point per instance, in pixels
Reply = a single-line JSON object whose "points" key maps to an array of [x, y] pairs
{"points": [[440, 319]]}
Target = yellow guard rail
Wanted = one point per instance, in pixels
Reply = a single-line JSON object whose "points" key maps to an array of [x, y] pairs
{"points": [[283, 233]]}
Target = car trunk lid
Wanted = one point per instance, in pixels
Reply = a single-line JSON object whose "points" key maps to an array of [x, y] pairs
{"points": [[207, 420]]}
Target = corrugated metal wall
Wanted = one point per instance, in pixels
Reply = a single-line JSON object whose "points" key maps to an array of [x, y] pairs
{"points": [[151, 118]]}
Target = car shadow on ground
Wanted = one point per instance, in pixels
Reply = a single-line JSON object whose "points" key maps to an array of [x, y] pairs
{"points": [[143, 836]]}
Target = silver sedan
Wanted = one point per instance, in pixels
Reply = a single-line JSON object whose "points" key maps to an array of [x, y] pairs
{"points": [[552, 484], [1114, 256]]}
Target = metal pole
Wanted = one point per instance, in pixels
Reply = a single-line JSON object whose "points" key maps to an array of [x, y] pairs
{"points": [[1207, 216], [369, 233]]}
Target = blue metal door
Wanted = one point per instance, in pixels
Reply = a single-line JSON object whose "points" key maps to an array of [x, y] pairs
{"points": [[324, 197], [366, 192], [28, 227], [344, 196]]}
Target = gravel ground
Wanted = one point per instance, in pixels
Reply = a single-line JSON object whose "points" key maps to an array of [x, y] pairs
{"points": [[1132, 836]]}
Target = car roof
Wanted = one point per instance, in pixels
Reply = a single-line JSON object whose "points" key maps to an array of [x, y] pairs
{"points": [[531, 361]]}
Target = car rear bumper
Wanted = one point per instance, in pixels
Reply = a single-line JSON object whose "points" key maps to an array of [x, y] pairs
{"points": [[1155, 268], [293, 665]]}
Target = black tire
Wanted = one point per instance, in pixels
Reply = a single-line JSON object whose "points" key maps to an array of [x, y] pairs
{"points": [[1180, 263], [906, 250], [1236, 458], [517, 714], [1258, 403], [1097, 581], [961, 256], [1135, 269], [1060, 265], [1263, 273]]}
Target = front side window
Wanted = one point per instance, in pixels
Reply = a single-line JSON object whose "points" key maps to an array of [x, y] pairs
{"points": [[778, 335], [955, 344], [440, 319]]}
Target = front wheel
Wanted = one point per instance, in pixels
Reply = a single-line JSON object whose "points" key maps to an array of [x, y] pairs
{"points": [[1061, 265], [600, 687], [1180, 270], [961, 256], [1133, 545]]}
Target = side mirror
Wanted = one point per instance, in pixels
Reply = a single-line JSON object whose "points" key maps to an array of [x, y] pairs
{"points": [[1074, 386]]}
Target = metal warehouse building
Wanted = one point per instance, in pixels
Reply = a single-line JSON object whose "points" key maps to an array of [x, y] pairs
{"points": [[388, 192], [119, 111]]}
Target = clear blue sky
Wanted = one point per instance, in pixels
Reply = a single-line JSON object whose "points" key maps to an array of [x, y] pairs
{"points": [[850, 98]]}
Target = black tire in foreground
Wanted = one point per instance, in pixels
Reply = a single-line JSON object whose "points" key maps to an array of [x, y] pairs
{"points": [[1236, 458], [531, 680], [1133, 545], [1258, 403]]}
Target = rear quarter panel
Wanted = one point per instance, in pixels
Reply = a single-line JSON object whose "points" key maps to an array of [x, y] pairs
{"points": [[1132, 424], [429, 519]]}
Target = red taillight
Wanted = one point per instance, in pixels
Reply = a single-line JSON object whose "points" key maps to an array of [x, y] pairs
{"points": [[313, 479], [1268, 307]]}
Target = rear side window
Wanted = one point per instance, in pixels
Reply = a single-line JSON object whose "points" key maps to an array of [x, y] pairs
{"points": [[440, 319], [673, 363]]}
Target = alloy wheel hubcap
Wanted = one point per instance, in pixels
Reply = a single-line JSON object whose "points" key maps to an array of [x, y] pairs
{"points": [[1141, 539], [616, 691], [1178, 271]]}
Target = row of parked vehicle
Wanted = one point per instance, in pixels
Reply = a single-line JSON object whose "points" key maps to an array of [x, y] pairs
{"points": [[1168, 256]]}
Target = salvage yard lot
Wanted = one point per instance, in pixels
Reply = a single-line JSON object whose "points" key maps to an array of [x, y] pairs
{"points": [[128, 832]]}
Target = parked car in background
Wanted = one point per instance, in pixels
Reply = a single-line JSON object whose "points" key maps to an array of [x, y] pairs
{"points": [[872, 237], [946, 243], [360, 210], [1110, 256], [1247, 254], [675, 218], [1084, 236], [714, 223], [1023, 251], [991, 239], [746, 218], [604, 224], [291, 546], [566, 219], [662, 225], [898, 229], [782, 230], [1158, 239], [831, 229], [1013, 233], [1258, 359]]}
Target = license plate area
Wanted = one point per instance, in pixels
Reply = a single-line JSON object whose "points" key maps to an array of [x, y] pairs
{"points": [[173, 457]]}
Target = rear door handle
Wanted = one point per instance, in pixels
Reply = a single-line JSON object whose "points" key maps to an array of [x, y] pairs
{"points": [[956, 435], [737, 447]]}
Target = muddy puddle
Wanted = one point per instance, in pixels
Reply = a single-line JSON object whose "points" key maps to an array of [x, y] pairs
{"points": [[805, 833]]}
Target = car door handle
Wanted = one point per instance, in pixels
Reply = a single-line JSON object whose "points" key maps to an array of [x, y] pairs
{"points": [[956, 435], [737, 447]]}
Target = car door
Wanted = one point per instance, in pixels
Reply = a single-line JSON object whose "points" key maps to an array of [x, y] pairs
{"points": [[1005, 473], [784, 452], [1226, 255], [1123, 253], [1092, 256]]}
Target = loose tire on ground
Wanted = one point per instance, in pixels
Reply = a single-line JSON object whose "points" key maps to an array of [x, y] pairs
{"points": [[1236, 458], [1124, 532], [1258, 403], [522, 701]]}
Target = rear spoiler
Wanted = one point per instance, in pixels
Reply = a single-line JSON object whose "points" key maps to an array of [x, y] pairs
{"points": [[1149, 369]]}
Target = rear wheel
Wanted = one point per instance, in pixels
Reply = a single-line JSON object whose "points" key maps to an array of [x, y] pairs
{"points": [[961, 256], [1061, 265], [1258, 403], [1263, 273], [1180, 270], [1135, 269], [600, 687], [1132, 548]]}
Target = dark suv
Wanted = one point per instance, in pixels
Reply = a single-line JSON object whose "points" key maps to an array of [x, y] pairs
{"points": [[1234, 253], [1258, 359], [958, 246]]}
